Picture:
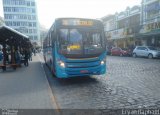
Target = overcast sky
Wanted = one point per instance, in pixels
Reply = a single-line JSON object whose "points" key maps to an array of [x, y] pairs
{"points": [[48, 10]]}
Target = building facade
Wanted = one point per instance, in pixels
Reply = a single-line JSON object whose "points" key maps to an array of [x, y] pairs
{"points": [[21, 15], [109, 27], [139, 25], [121, 28], [1, 21], [150, 21], [1, 24], [43, 34]]}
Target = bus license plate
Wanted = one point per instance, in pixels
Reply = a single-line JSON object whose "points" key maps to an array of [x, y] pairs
{"points": [[84, 71]]}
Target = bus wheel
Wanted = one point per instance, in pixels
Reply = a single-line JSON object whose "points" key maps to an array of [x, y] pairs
{"points": [[52, 71]]}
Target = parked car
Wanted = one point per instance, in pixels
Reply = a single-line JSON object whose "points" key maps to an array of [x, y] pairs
{"points": [[146, 51], [120, 52]]}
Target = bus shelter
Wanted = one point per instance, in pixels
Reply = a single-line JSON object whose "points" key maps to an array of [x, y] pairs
{"points": [[12, 39]]}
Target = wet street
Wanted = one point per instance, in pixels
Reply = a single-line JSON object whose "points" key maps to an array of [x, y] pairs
{"points": [[129, 83]]}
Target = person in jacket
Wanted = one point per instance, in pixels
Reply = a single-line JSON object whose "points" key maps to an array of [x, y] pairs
{"points": [[17, 56], [26, 57]]}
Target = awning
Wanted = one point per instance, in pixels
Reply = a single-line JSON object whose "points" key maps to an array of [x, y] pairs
{"points": [[10, 36], [152, 33]]}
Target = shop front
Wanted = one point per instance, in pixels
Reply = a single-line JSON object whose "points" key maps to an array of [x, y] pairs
{"points": [[150, 34]]}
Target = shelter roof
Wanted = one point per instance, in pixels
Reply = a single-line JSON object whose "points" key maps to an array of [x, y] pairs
{"points": [[10, 36]]}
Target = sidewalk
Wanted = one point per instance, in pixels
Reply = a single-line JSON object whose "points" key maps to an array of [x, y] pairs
{"points": [[25, 88]]}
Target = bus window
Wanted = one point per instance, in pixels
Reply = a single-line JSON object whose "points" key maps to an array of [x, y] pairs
{"points": [[71, 41], [92, 43], [63, 37], [75, 36]]}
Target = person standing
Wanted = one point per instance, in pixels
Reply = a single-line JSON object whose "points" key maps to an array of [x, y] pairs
{"points": [[17, 57], [30, 55], [26, 56], [34, 51]]}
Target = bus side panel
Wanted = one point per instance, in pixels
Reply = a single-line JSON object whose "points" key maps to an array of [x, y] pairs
{"points": [[48, 56], [53, 68]]}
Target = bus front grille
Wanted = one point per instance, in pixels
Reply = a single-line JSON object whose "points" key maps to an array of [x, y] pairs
{"points": [[83, 65]]}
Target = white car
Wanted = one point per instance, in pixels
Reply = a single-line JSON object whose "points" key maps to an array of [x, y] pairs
{"points": [[146, 51]]}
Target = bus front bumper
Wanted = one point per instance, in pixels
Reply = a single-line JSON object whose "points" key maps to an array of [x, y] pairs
{"points": [[75, 72]]}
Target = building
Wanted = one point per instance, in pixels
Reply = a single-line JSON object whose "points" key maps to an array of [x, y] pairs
{"points": [[21, 15], [1, 21], [150, 21], [43, 34], [122, 28], [109, 27]]}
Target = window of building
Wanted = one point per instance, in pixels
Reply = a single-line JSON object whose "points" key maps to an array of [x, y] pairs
{"points": [[34, 31], [6, 2], [18, 24], [28, 3], [34, 24], [31, 37], [29, 24], [14, 23], [152, 10], [7, 9], [32, 3], [29, 17], [35, 38], [30, 31], [21, 2], [33, 10], [33, 17]]}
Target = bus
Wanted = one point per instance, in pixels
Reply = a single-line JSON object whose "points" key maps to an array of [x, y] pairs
{"points": [[75, 47]]}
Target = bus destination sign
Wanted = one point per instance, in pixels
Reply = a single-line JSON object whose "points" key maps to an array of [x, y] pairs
{"points": [[77, 22]]}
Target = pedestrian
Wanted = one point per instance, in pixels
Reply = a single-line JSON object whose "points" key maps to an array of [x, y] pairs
{"points": [[34, 51], [17, 57], [30, 55], [26, 56]]}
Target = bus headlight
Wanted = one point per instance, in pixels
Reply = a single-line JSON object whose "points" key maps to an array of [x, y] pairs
{"points": [[102, 62], [62, 64]]}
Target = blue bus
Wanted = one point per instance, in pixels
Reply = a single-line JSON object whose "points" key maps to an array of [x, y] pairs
{"points": [[75, 47]]}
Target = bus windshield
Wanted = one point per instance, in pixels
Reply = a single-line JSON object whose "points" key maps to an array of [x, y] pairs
{"points": [[79, 42]]}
